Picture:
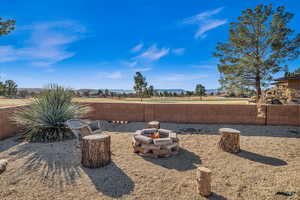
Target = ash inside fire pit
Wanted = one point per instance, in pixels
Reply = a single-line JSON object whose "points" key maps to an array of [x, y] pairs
{"points": [[155, 142]]}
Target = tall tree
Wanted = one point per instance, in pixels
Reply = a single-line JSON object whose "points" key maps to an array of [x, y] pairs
{"points": [[189, 93], [100, 93], [200, 90], [10, 88], [235, 86], [151, 90], [182, 94], [111, 94], [166, 93], [2, 89], [259, 43], [106, 93], [140, 85], [6, 26]]}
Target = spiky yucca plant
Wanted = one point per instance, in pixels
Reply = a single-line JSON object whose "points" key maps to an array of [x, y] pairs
{"points": [[44, 119]]}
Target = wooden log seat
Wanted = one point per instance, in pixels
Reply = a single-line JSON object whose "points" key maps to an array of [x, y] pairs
{"points": [[229, 140], [204, 181], [95, 151], [154, 124]]}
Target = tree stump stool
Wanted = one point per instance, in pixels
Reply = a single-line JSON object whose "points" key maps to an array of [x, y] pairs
{"points": [[3, 165], [230, 140], [154, 124], [204, 181], [95, 150]]}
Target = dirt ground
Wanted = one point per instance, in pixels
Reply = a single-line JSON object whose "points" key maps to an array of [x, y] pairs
{"points": [[268, 163]]}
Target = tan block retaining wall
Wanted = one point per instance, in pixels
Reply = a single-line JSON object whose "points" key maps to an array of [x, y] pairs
{"points": [[7, 128], [197, 113], [181, 113]]}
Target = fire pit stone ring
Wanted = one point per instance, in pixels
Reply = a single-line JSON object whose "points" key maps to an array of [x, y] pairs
{"points": [[155, 143]]}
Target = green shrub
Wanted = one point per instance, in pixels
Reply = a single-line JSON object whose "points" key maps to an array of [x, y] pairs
{"points": [[44, 119]]}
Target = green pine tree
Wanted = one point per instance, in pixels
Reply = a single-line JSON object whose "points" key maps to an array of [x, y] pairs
{"points": [[10, 88], [200, 90], [259, 43], [6, 26], [140, 85]]}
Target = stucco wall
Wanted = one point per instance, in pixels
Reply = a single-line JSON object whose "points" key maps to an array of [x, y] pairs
{"points": [[283, 115], [117, 111], [197, 113], [182, 113], [7, 128]]}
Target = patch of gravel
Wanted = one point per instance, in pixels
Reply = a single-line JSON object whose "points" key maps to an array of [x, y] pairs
{"points": [[268, 163], [246, 130]]}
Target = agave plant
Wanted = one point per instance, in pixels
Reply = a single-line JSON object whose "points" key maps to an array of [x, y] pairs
{"points": [[44, 119]]}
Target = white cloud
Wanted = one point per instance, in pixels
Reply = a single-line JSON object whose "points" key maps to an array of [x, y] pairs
{"points": [[50, 70], [153, 53], [115, 75], [178, 51], [144, 60], [202, 16], [209, 25], [130, 63], [137, 48], [112, 75], [175, 77], [145, 69], [205, 22], [183, 77], [47, 44], [8, 54]]}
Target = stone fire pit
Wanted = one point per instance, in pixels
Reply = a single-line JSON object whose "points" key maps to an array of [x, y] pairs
{"points": [[155, 143]]}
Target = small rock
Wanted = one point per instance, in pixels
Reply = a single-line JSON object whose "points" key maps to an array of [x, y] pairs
{"points": [[3, 164], [293, 131], [285, 193]]}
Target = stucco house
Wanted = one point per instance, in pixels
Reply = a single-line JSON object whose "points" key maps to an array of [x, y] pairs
{"points": [[286, 90], [290, 82]]}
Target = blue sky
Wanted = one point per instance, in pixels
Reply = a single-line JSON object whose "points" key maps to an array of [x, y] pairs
{"points": [[100, 44]]}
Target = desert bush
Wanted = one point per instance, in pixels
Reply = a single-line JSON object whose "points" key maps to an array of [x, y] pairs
{"points": [[44, 119]]}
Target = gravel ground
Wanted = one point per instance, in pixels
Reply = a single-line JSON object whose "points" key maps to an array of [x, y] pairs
{"points": [[268, 163]]}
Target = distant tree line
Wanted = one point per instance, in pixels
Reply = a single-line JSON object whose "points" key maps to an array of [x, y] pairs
{"points": [[8, 88], [106, 93]]}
